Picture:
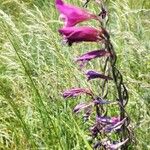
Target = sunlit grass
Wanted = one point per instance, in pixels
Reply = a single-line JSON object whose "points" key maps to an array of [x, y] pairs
{"points": [[35, 67]]}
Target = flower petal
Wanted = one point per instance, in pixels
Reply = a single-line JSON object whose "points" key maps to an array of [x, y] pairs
{"points": [[117, 145], [75, 92], [73, 14], [108, 120], [83, 34], [85, 58], [93, 75], [82, 106], [59, 2], [114, 127]]}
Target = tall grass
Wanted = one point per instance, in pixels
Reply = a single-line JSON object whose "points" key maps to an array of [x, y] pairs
{"points": [[35, 67]]}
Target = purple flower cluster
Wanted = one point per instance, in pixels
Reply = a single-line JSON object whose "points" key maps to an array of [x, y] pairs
{"points": [[72, 15]]}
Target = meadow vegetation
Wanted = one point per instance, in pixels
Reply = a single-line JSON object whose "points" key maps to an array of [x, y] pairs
{"points": [[35, 67]]}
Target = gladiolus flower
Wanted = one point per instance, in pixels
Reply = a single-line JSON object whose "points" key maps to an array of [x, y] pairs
{"points": [[83, 34], [115, 146], [82, 106], [93, 74], [108, 120], [96, 101], [109, 145], [72, 14], [91, 55], [114, 127], [108, 124], [88, 107], [76, 91]]}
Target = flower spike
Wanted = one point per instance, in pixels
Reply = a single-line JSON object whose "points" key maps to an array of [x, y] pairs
{"points": [[105, 126]]}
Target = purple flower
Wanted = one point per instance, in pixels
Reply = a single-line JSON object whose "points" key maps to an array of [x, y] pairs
{"points": [[81, 34], [115, 146], [83, 59], [93, 74], [109, 124], [82, 106], [87, 107], [114, 127], [75, 92], [108, 120], [97, 101], [106, 125], [72, 14]]}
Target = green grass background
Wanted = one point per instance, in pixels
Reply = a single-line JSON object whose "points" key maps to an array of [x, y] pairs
{"points": [[35, 67]]}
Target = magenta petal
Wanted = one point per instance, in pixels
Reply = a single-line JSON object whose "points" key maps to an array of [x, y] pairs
{"points": [[73, 14], [59, 2], [75, 92], [92, 55], [93, 75], [82, 34]]}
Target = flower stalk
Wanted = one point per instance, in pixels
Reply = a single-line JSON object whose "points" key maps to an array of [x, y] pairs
{"points": [[104, 126]]}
